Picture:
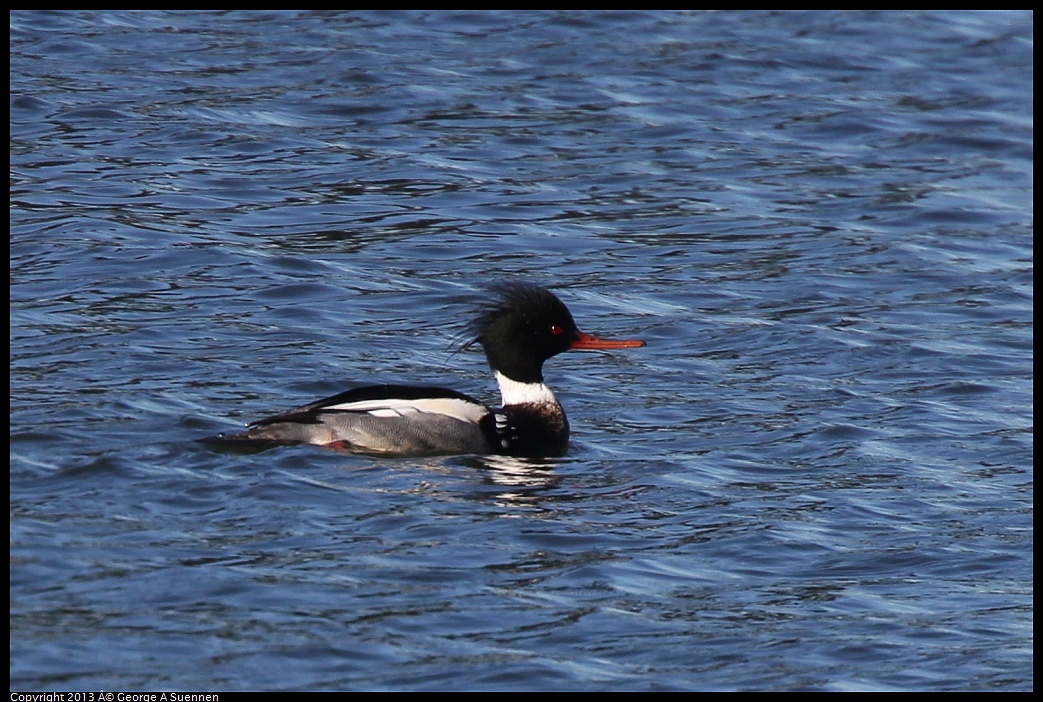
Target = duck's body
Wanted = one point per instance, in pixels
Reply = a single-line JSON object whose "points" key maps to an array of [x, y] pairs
{"points": [[523, 327]]}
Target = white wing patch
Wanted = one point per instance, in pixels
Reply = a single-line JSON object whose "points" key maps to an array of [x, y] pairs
{"points": [[450, 406]]}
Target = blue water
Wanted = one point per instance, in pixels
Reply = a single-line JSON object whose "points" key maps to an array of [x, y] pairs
{"points": [[816, 476]]}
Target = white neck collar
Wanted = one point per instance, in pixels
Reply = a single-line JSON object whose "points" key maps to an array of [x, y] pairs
{"points": [[516, 393]]}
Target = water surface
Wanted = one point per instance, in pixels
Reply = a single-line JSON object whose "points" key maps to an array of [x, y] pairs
{"points": [[816, 476]]}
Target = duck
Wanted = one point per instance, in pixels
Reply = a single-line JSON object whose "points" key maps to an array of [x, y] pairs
{"points": [[519, 326]]}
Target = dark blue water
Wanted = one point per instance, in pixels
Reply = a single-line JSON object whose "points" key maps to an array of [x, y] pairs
{"points": [[816, 476]]}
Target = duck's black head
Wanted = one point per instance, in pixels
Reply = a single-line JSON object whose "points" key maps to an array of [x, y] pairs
{"points": [[523, 325]]}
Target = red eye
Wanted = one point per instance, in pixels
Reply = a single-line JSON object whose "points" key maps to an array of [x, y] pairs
{"points": [[556, 330]]}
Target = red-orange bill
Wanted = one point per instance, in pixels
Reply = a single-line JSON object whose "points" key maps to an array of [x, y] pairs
{"points": [[587, 341]]}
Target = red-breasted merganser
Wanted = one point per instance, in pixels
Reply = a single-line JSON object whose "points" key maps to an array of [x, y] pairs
{"points": [[523, 326]]}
